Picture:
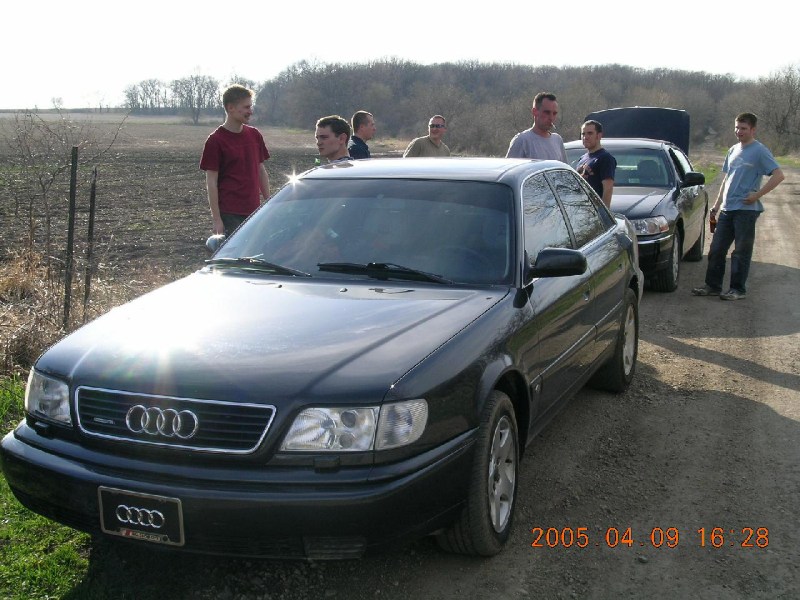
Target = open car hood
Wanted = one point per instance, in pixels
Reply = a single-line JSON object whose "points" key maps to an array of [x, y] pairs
{"points": [[668, 124]]}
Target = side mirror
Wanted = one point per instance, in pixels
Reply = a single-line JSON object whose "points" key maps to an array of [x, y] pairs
{"points": [[693, 178], [214, 242], [557, 262]]}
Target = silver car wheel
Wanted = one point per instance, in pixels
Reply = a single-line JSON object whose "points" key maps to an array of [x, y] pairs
{"points": [[629, 340], [676, 258], [502, 474]]}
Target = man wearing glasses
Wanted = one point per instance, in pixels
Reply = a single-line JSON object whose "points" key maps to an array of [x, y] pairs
{"points": [[430, 145]]}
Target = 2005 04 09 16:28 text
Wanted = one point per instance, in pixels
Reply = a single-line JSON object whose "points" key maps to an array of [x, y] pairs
{"points": [[670, 537]]}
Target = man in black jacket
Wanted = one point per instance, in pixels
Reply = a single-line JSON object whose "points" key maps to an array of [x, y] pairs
{"points": [[363, 124]]}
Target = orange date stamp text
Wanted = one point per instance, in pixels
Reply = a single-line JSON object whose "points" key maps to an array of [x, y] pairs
{"points": [[655, 537]]}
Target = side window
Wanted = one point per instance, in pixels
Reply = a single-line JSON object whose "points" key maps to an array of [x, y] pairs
{"points": [[542, 217], [582, 215], [683, 164], [602, 210]]}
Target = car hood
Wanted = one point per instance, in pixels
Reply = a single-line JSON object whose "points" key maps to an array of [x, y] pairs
{"points": [[229, 337], [636, 202]]}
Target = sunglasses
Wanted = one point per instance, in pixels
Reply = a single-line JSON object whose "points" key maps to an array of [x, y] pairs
{"points": [[437, 126]]}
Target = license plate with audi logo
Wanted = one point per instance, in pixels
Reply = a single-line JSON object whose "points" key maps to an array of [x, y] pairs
{"points": [[146, 517]]}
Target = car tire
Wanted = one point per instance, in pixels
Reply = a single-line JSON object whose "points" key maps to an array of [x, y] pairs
{"points": [[484, 525], [695, 253], [666, 280], [616, 375]]}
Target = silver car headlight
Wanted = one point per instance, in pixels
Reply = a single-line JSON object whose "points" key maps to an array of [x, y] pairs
{"points": [[47, 398], [349, 429], [651, 225]]}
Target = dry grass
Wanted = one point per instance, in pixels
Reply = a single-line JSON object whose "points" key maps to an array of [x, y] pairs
{"points": [[26, 303], [32, 306]]}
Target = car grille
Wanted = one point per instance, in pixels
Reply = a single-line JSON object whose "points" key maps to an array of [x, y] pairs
{"points": [[207, 425]]}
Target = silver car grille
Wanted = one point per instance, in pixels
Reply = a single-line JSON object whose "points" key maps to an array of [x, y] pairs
{"points": [[224, 427]]}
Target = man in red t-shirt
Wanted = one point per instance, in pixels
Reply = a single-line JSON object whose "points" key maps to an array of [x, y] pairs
{"points": [[233, 159]]}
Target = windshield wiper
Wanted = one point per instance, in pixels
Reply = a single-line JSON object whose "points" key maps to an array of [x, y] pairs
{"points": [[382, 271], [253, 262]]}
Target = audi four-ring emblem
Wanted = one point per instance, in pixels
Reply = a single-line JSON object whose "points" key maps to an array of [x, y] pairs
{"points": [[162, 422], [131, 515]]}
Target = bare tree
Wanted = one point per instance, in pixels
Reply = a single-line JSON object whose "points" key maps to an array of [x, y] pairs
{"points": [[779, 108], [402, 94], [152, 93], [40, 153], [133, 98], [196, 94]]}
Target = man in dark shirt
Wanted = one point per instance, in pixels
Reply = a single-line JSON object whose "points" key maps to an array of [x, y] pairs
{"points": [[597, 166], [363, 124], [332, 135]]}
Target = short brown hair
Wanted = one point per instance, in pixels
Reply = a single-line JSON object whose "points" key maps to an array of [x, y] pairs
{"points": [[236, 93], [360, 117], [748, 118], [598, 126], [541, 96], [337, 124]]}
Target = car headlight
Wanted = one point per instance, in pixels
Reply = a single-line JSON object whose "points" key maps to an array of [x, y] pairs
{"points": [[349, 429], [651, 225], [47, 398]]}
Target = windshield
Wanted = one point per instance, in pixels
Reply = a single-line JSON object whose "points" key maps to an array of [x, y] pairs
{"points": [[456, 231], [636, 167]]}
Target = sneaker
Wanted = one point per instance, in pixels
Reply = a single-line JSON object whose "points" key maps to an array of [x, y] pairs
{"points": [[732, 294], [706, 290]]}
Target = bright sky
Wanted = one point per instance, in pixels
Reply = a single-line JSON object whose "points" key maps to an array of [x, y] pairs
{"points": [[86, 52]]}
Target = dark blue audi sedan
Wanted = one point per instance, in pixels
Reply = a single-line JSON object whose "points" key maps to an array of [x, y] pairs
{"points": [[362, 362]]}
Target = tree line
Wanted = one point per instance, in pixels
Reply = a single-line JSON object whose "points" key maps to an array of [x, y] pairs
{"points": [[487, 103]]}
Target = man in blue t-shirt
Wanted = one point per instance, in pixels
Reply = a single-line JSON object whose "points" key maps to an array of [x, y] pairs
{"points": [[737, 208], [597, 166]]}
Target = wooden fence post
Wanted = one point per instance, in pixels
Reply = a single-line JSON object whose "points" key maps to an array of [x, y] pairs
{"points": [[90, 244], [73, 183]]}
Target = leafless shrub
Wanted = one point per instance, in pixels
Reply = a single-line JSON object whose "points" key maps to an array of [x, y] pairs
{"points": [[39, 154]]}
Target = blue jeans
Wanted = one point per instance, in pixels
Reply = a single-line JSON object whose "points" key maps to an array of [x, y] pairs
{"points": [[737, 226]]}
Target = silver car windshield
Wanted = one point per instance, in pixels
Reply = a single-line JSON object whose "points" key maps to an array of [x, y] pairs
{"points": [[454, 230]]}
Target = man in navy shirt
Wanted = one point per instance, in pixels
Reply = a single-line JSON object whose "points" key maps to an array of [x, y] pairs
{"points": [[363, 124], [597, 166]]}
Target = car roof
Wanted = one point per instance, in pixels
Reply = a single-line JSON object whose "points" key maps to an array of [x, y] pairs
{"points": [[624, 143], [454, 168]]}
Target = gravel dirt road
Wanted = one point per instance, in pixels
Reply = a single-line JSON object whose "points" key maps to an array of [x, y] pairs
{"points": [[688, 485]]}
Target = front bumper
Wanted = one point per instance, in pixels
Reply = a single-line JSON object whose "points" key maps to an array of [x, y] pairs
{"points": [[289, 512], [654, 254]]}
